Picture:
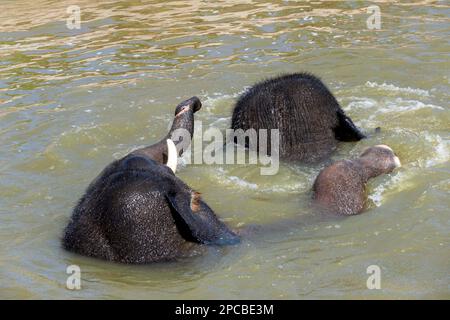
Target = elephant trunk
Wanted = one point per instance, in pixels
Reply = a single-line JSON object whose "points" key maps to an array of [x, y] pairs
{"points": [[180, 133]]}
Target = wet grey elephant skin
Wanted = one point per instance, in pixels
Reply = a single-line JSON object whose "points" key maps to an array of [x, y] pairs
{"points": [[138, 211], [309, 118], [340, 188]]}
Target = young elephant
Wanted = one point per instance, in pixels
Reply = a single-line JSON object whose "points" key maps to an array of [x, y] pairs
{"points": [[340, 187], [138, 211], [309, 119]]}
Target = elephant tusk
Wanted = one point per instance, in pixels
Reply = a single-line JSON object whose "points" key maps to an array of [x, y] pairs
{"points": [[171, 155]]}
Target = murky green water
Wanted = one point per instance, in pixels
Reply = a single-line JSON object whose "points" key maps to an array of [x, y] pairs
{"points": [[72, 100]]}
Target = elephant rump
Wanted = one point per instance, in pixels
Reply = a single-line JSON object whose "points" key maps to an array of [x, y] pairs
{"points": [[309, 118]]}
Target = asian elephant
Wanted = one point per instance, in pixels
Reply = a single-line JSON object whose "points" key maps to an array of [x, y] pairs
{"points": [[309, 118], [138, 211], [340, 188]]}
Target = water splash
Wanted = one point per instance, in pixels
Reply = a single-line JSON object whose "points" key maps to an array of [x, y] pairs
{"points": [[393, 88]]}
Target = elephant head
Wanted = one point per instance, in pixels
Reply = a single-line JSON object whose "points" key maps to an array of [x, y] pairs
{"points": [[138, 211], [341, 187]]}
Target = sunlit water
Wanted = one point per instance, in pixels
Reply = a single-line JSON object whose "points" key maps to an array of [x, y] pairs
{"points": [[73, 100]]}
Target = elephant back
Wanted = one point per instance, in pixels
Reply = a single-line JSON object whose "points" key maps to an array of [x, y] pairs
{"points": [[300, 106]]}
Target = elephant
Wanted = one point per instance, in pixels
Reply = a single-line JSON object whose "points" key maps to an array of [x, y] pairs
{"points": [[137, 211], [309, 118], [340, 188]]}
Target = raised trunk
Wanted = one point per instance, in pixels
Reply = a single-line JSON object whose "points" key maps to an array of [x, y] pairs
{"points": [[184, 120]]}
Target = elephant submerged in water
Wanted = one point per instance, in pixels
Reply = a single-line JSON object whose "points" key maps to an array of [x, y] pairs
{"points": [[138, 211], [340, 188], [309, 118]]}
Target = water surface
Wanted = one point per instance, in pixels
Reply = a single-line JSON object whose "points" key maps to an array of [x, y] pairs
{"points": [[73, 100]]}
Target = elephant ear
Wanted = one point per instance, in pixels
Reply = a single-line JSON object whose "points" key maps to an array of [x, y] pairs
{"points": [[197, 222], [346, 129]]}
